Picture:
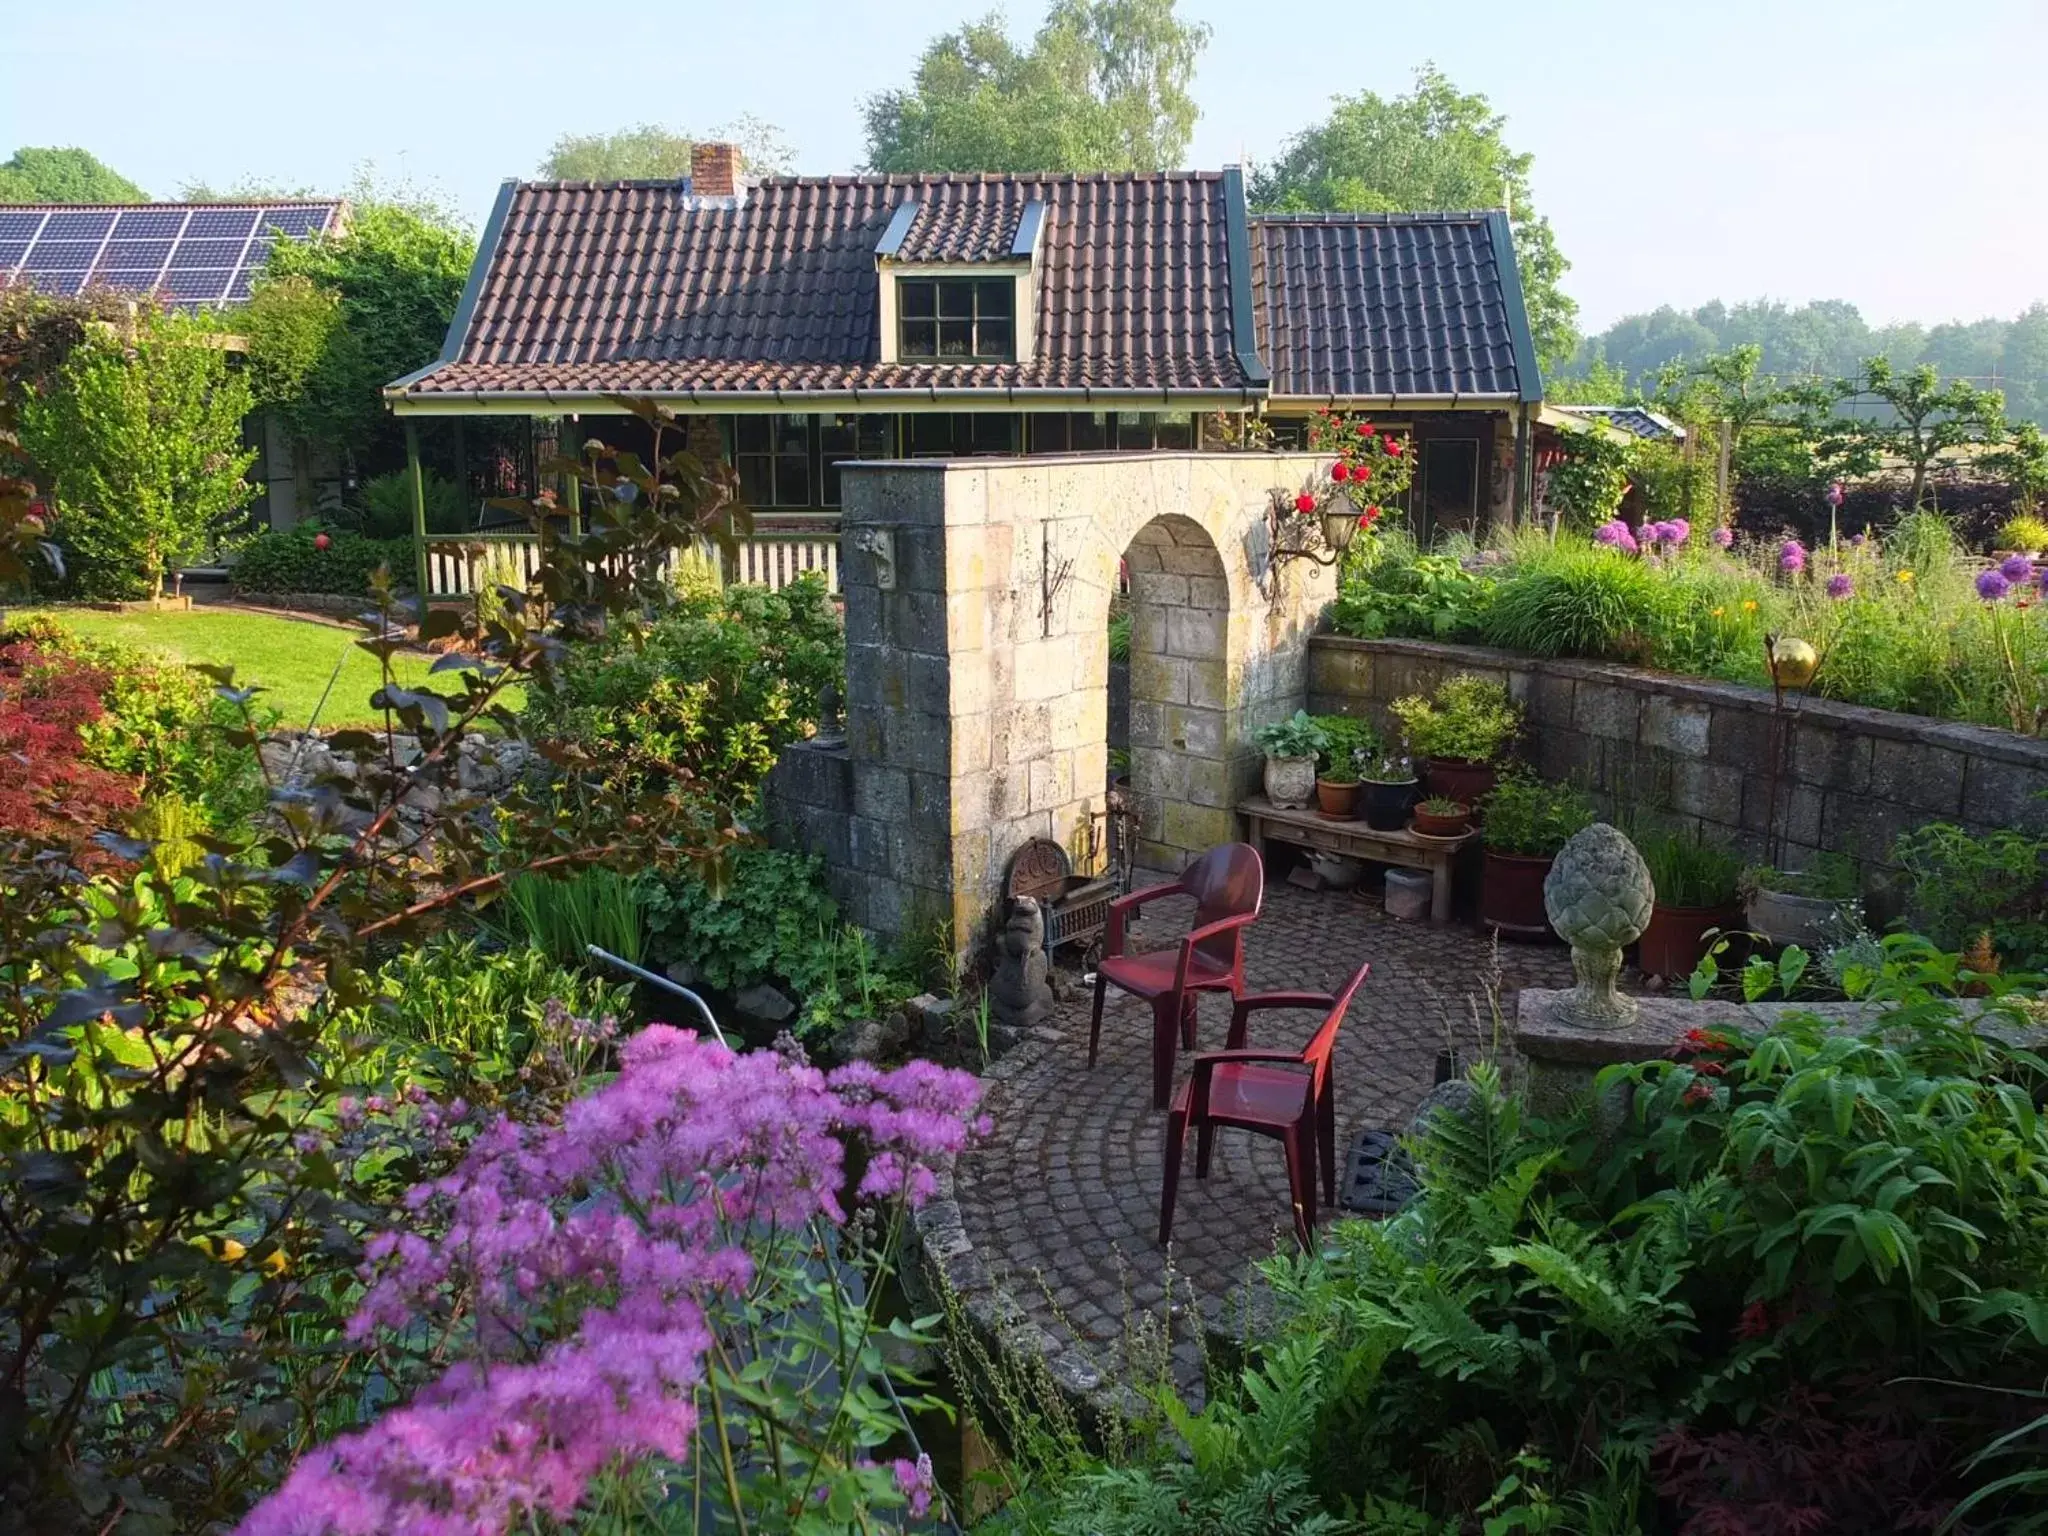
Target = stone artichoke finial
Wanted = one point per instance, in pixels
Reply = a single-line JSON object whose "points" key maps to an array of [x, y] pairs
{"points": [[1598, 894]]}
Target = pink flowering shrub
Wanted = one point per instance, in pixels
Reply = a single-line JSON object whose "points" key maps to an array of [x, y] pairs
{"points": [[665, 1257]]}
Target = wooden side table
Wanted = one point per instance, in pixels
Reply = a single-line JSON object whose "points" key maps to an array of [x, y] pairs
{"points": [[1354, 839]]}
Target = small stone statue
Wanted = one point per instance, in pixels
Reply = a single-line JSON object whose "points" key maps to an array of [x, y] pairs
{"points": [[1598, 894], [1020, 993], [831, 722]]}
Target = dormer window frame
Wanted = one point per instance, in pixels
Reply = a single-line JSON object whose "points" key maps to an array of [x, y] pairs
{"points": [[938, 310], [1020, 269]]}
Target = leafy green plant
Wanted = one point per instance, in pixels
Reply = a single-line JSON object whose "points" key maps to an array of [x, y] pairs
{"points": [[1534, 818], [2026, 533], [1296, 736], [1468, 718], [1587, 482], [384, 505], [1120, 635], [1964, 885], [139, 438], [1828, 877], [1393, 589], [1348, 742], [292, 560], [563, 915], [1690, 869], [1441, 805], [1580, 600]]}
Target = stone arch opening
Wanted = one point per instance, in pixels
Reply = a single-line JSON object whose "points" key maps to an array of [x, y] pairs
{"points": [[1182, 784]]}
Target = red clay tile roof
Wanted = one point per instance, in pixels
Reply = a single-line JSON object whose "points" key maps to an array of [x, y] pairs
{"points": [[637, 287], [965, 221], [1369, 306]]}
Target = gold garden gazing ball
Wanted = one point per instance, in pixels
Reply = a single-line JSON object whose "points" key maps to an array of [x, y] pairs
{"points": [[1792, 661]]}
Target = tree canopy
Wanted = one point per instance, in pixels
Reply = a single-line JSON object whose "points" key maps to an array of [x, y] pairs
{"points": [[650, 152], [32, 175], [1103, 87], [332, 321], [1434, 149], [1829, 338]]}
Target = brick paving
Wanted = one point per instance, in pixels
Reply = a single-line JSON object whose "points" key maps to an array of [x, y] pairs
{"points": [[1063, 1203]]}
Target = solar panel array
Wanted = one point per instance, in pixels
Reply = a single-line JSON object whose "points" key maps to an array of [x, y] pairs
{"points": [[191, 254]]}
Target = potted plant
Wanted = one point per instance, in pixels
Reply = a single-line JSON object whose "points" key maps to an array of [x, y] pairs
{"points": [[1337, 765], [1387, 792], [1527, 822], [1810, 907], [1698, 884], [1291, 747], [1462, 732], [1441, 817]]}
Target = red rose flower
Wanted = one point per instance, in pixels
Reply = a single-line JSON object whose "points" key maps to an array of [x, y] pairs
{"points": [[1392, 446], [1365, 429], [321, 541], [1371, 513], [1340, 472], [1363, 472], [1365, 519], [1304, 503]]}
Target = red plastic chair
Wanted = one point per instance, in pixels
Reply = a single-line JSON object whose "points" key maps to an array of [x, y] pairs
{"points": [[1229, 885], [1269, 1093]]}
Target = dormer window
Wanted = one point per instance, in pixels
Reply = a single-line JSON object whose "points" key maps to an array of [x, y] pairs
{"points": [[956, 319]]}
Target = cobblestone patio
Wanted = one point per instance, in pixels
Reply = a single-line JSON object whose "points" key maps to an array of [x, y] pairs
{"points": [[1063, 1203]]}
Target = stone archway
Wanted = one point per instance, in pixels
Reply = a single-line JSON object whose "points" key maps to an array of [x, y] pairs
{"points": [[977, 598]]}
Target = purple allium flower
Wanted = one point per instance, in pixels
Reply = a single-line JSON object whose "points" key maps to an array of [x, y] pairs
{"points": [[1678, 531], [1792, 556], [1615, 534], [1840, 586], [1725, 537], [1858, 540], [2017, 569], [1992, 585]]}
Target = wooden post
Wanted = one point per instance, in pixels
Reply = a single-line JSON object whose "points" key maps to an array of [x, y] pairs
{"points": [[1721, 468], [417, 486], [572, 448]]}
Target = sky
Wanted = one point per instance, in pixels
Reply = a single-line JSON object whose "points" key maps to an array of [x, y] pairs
{"points": [[1888, 153]]}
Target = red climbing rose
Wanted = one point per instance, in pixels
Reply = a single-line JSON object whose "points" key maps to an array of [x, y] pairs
{"points": [[1340, 471], [1304, 503]]}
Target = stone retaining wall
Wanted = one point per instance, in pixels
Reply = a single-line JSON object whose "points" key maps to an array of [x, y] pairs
{"points": [[1854, 780]]}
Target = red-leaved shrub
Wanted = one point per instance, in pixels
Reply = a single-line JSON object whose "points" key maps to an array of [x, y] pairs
{"points": [[48, 792]]}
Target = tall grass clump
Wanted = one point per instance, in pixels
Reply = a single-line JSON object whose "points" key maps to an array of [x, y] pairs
{"points": [[1577, 599], [563, 917]]}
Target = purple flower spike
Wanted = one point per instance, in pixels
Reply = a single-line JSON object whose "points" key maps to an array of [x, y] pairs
{"points": [[1792, 556], [1992, 585], [1725, 537], [1679, 530], [2017, 569], [1840, 586]]}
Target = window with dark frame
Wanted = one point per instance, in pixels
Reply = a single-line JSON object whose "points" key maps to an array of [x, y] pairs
{"points": [[773, 457], [843, 438], [956, 319]]}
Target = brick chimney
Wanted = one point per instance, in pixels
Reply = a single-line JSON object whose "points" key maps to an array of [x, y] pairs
{"points": [[714, 169]]}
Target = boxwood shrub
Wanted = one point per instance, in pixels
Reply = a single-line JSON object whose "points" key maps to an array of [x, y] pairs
{"points": [[288, 560]]}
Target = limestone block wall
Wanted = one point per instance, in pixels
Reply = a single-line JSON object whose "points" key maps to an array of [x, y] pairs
{"points": [[1854, 778], [977, 605]]}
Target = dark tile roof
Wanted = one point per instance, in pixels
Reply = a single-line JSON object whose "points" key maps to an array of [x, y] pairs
{"points": [[1371, 306], [640, 287], [965, 221]]}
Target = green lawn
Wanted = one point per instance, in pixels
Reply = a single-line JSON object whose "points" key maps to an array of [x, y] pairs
{"points": [[292, 659]]}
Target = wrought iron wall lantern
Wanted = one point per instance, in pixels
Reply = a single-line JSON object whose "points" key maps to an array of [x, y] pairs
{"points": [[1331, 523]]}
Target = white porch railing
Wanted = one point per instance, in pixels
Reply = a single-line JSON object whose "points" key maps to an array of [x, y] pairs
{"points": [[459, 564]]}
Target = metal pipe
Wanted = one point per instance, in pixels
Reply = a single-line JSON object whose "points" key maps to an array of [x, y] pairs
{"points": [[660, 981]]}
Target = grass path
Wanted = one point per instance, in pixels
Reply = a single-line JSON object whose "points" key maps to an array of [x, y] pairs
{"points": [[291, 659]]}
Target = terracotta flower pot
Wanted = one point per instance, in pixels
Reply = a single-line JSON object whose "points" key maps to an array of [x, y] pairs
{"points": [[1677, 937], [1511, 894], [1386, 805], [1291, 782], [1430, 825], [1339, 802], [1460, 779]]}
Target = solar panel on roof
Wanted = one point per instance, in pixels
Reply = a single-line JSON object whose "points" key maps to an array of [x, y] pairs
{"points": [[190, 254], [150, 224], [79, 224]]}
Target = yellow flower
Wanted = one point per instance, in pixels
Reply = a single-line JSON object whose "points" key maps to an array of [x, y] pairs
{"points": [[225, 1249], [1750, 606], [1718, 612], [277, 1263], [1905, 575]]}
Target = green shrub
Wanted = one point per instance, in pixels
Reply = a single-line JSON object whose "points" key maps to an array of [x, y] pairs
{"points": [[2026, 533], [1532, 817], [707, 695], [1965, 885], [1396, 590], [1581, 600], [1588, 481], [288, 560], [1468, 718], [384, 505], [1296, 736]]}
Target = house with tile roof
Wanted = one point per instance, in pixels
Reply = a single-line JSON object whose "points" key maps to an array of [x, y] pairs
{"points": [[802, 322]]}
